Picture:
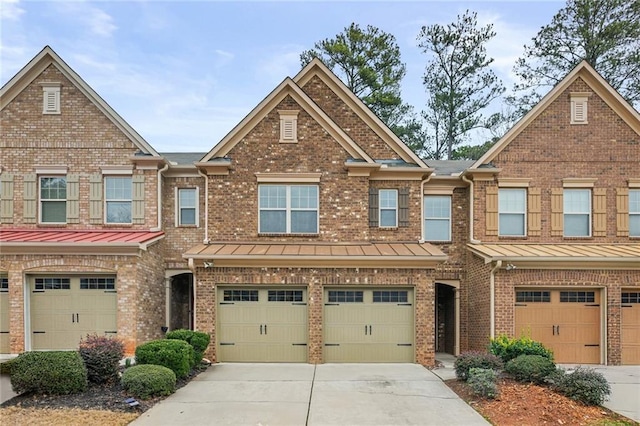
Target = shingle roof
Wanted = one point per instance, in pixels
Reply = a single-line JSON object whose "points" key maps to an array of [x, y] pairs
{"points": [[183, 158], [449, 167]]}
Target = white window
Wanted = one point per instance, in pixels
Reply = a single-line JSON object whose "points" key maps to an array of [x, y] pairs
{"points": [[511, 211], [577, 212], [187, 206], [51, 99], [437, 218], [388, 207], [634, 212], [53, 199], [288, 209], [117, 199]]}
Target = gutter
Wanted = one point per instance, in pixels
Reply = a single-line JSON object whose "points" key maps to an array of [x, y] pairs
{"points": [[492, 300]]}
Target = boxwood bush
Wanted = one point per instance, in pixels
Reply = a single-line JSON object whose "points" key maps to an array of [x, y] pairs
{"points": [[474, 359], [197, 339], [101, 355], [509, 348], [583, 384], [530, 368], [56, 372], [148, 380], [483, 382], [177, 355]]}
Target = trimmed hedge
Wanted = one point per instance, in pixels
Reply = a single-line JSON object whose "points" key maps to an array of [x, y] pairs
{"points": [[583, 384], [197, 339], [530, 368], [177, 355], [148, 380], [473, 359], [56, 372], [101, 355], [509, 348]]}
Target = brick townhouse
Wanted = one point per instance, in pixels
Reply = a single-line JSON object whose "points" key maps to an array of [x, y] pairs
{"points": [[311, 233]]}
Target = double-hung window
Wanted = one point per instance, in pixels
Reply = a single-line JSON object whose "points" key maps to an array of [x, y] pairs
{"points": [[577, 212], [288, 209], [511, 211], [53, 199], [187, 206], [634, 212], [437, 218], [388, 208], [118, 199]]}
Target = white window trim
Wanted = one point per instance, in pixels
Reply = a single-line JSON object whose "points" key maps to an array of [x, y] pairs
{"points": [[178, 208], [288, 211], [116, 200], [290, 118], [41, 200], [50, 92], [524, 212], [589, 212], [579, 102], [425, 218], [381, 209]]}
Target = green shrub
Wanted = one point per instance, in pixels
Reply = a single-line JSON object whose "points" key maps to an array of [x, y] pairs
{"points": [[147, 380], [101, 355], [56, 372], [583, 384], [530, 368], [5, 367], [483, 382], [197, 339], [473, 359], [177, 355], [509, 348]]}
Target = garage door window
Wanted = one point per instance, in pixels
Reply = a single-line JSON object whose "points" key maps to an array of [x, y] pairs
{"points": [[577, 296], [4, 285], [97, 283], [240, 295], [533, 296], [285, 296], [339, 296], [630, 297], [390, 297], [53, 284]]}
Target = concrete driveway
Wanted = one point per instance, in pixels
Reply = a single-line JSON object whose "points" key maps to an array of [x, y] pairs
{"points": [[304, 394], [624, 381]]}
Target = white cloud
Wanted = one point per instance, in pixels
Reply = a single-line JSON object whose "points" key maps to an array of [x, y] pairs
{"points": [[100, 22], [284, 62], [10, 10]]}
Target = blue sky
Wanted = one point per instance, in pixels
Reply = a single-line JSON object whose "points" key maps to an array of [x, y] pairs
{"points": [[184, 73]]}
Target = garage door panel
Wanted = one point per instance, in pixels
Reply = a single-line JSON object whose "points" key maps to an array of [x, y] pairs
{"points": [[4, 314], [630, 330]]}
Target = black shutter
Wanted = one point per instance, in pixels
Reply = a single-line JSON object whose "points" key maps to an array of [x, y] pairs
{"points": [[373, 207]]}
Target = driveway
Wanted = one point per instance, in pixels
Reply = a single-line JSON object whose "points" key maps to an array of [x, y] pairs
{"points": [[624, 381], [304, 394]]}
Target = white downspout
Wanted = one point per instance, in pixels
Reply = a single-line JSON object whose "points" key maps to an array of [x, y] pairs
{"points": [[206, 206], [492, 300], [471, 204], [422, 205], [162, 170]]}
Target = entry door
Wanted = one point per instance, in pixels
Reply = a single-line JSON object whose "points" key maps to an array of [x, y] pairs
{"points": [[262, 325]]}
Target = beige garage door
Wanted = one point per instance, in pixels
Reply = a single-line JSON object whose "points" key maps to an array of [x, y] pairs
{"points": [[372, 325], [4, 315], [630, 327], [262, 325], [566, 321], [66, 309]]}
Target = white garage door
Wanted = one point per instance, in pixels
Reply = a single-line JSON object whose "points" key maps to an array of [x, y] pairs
{"points": [[368, 325]]}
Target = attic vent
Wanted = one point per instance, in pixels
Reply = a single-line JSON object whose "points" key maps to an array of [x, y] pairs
{"points": [[288, 126], [579, 108], [51, 98]]}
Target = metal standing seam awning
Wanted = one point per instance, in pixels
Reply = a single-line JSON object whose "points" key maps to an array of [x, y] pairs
{"points": [[64, 241], [363, 255], [558, 256]]}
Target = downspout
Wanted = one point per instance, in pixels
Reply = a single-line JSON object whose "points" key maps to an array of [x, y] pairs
{"points": [[162, 170], [206, 208], [492, 300], [471, 204], [422, 205]]}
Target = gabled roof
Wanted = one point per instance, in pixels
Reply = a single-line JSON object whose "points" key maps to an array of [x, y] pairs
{"points": [[286, 88], [595, 81], [48, 57], [319, 69]]}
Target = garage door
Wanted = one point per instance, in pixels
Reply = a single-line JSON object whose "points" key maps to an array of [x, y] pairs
{"points": [[630, 327], [4, 315], [372, 325], [262, 325], [568, 322], [66, 309]]}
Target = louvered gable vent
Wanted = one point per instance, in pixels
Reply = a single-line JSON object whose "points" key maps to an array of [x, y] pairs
{"points": [[288, 126], [51, 98]]}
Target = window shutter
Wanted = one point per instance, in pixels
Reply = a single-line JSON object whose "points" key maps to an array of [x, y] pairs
{"points": [[599, 212], [6, 198], [29, 197], [557, 220], [534, 212], [95, 199], [73, 197], [373, 207], [492, 210], [622, 212], [137, 205], [403, 207]]}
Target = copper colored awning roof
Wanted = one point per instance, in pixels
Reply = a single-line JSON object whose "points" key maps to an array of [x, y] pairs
{"points": [[65, 241], [590, 256], [379, 255]]}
